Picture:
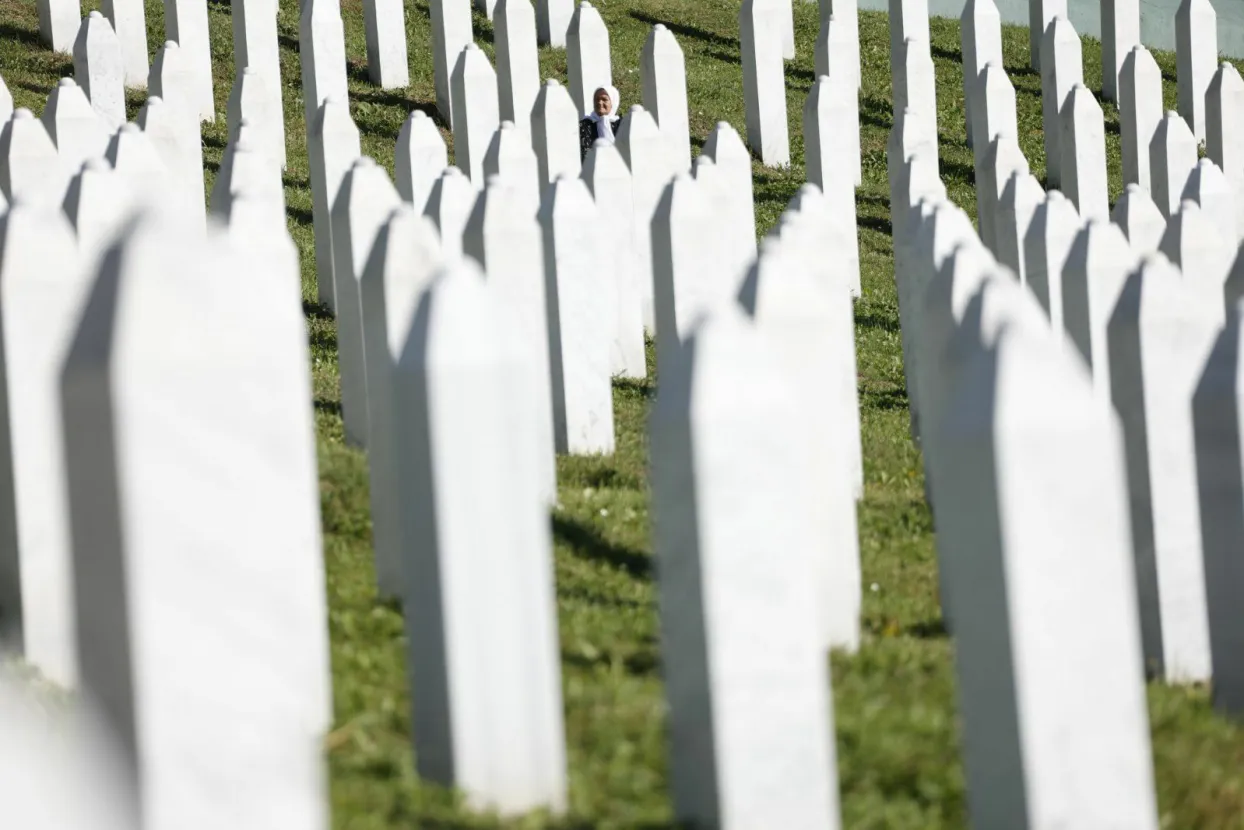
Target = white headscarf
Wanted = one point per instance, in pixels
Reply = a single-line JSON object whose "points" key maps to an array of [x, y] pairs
{"points": [[604, 126]]}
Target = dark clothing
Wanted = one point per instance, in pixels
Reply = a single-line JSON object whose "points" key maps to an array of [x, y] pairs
{"points": [[587, 134]]}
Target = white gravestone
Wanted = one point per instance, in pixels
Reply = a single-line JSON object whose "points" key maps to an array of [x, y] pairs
{"points": [[746, 679], [1224, 132], [807, 325], [1096, 269], [403, 260], [906, 143], [827, 129], [609, 180], [58, 23], [1003, 159], [6, 102], [451, 32], [518, 63], [1047, 243], [1172, 158], [507, 242], [1083, 146], [153, 403], [1062, 67], [511, 157], [488, 7], [172, 79], [734, 168], [1039, 487], [481, 618], [580, 319], [77, 130], [333, 145], [764, 82], [419, 159], [981, 42], [244, 167], [1120, 34], [555, 134], [30, 167], [1140, 114], [846, 12], [364, 202], [996, 106], [1209, 188], [1193, 242], [1196, 54], [553, 21], [41, 292], [476, 112], [99, 69], [909, 20], [786, 26], [185, 21], [1139, 219], [449, 207], [322, 57], [915, 91], [1160, 335], [133, 155], [646, 153], [256, 42], [264, 237], [664, 71], [174, 134], [588, 66], [254, 101], [128, 19], [1041, 15], [98, 203], [384, 23], [834, 58]]}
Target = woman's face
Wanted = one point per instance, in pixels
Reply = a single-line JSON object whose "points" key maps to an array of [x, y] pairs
{"points": [[603, 104]]}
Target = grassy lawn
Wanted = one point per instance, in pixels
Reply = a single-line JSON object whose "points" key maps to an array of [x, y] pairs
{"points": [[897, 737]]}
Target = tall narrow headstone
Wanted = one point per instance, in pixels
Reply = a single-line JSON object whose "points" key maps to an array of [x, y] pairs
{"points": [[1160, 335], [322, 56], [384, 23], [980, 27], [764, 82], [1224, 132], [174, 133], [185, 21], [99, 69], [133, 155], [128, 19], [30, 167], [580, 320], [1002, 160], [1139, 219], [664, 71], [481, 616], [1196, 53], [553, 21], [1209, 188], [1047, 243], [734, 171], [588, 66], [1062, 67], [1140, 114], [786, 27], [996, 107], [510, 156], [1041, 14], [739, 629], [1095, 272], [420, 158], [518, 63], [838, 59], [826, 128], [1193, 242], [6, 102], [99, 204], [1120, 33], [847, 13], [1021, 195], [74, 127], [1083, 146], [58, 23], [915, 92], [245, 168], [1172, 158], [333, 146], [609, 181], [476, 113], [364, 202], [909, 20], [646, 153], [451, 32], [555, 134], [449, 207], [253, 100], [256, 42]]}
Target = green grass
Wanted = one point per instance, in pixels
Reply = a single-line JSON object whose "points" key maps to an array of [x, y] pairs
{"points": [[897, 735]]}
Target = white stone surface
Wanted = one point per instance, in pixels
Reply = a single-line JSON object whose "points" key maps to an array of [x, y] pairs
{"points": [[1224, 132], [449, 207], [909, 20], [508, 243], [1139, 219], [837, 54], [518, 63], [99, 69], [1083, 145], [451, 32], [41, 290], [364, 202], [646, 154], [1039, 487], [128, 19], [734, 171], [133, 155], [1209, 188], [254, 101], [664, 71], [764, 82], [588, 65], [553, 21], [1172, 158], [384, 24], [915, 92], [1193, 242], [243, 167], [581, 319], [1160, 335], [1062, 67], [827, 122], [185, 21], [1096, 269], [1047, 243], [256, 43], [172, 79], [981, 43], [996, 103], [6, 103], [333, 145], [846, 12], [30, 167], [1041, 15], [74, 127], [1140, 114], [1003, 158], [169, 389], [1196, 56], [404, 258], [476, 111], [481, 619], [1021, 196], [58, 23], [511, 157], [419, 159], [175, 135], [322, 57], [1120, 33], [99, 203], [738, 626], [555, 134]]}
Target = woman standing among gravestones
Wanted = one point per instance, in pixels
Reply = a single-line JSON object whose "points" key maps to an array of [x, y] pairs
{"points": [[602, 122]]}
